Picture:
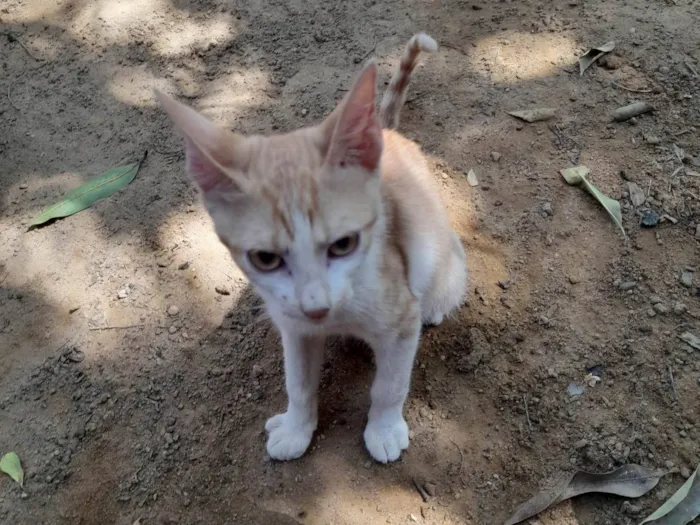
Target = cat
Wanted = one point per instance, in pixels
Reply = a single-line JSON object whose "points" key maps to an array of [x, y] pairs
{"points": [[340, 228]]}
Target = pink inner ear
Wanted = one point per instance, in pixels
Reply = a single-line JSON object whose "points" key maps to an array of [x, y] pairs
{"points": [[205, 173], [357, 139]]}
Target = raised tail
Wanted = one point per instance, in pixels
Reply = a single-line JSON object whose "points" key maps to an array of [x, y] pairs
{"points": [[395, 95]]}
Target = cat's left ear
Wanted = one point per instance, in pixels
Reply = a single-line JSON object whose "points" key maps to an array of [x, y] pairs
{"points": [[356, 138], [215, 157]]}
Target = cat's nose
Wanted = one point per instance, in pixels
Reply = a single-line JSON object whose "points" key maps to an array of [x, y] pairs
{"points": [[317, 313]]}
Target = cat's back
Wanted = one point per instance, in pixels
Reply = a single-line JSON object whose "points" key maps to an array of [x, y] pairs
{"points": [[409, 185]]}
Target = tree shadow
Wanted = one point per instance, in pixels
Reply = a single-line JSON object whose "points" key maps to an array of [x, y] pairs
{"points": [[180, 435]]}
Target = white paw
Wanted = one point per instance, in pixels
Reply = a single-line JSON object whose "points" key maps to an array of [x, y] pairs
{"points": [[434, 320], [385, 438], [289, 436]]}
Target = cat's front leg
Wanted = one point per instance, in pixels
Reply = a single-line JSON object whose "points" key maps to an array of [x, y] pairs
{"points": [[386, 434], [290, 432]]}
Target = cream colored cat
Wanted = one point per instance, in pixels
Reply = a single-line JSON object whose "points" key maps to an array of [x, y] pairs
{"points": [[341, 230]]}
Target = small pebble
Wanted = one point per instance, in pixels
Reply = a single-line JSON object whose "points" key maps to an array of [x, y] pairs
{"points": [[222, 290], [367, 464], [495, 156], [654, 299], [121, 294], [172, 329], [184, 266], [661, 308], [679, 308], [627, 285], [547, 208], [23, 186], [686, 278], [431, 489], [685, 472], [173, 310]]}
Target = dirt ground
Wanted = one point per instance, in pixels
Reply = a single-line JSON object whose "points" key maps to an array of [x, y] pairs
{"points": [[125, 412]]}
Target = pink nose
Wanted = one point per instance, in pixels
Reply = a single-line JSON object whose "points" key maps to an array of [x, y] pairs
{"points": [[316, 314]]}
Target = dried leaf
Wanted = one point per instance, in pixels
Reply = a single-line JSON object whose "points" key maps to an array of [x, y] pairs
{"points": [[471, 178], [593, 54], [681, 508], [577, 177], [631, 481], [636, 194], [632, 110], [11, 465], [692, 340], [534, 115], [87, 194]]}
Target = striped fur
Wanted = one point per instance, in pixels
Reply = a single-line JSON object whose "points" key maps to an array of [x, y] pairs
{"points": [[395, 95]]}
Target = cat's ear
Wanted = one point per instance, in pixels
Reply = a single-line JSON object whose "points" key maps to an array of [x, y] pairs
{"points": [[214, 155], [356, 138]]}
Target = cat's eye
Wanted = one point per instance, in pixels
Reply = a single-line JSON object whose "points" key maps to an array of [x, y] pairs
{"points": [[265, 261], [344, 246]]}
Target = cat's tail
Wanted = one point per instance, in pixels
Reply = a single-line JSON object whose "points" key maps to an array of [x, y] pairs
{"points": [[395, 94]]}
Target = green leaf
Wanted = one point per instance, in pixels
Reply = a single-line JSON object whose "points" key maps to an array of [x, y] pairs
{"points": [[681, 508], [577, 176], [86, 195], [11, 466]]}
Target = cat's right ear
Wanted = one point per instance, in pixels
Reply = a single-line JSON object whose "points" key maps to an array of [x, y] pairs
{"points": [[214, 155]]}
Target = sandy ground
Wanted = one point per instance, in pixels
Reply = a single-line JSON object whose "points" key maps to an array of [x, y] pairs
{"points": [[125, 414]]}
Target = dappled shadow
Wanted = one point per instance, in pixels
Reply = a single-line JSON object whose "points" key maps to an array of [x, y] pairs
{"points": [[179, 435]]}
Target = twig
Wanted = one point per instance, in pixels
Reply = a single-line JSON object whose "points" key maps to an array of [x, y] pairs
{"points": [[100, 328], [368, 53], [676, 172], [13, 38], [632, 89], [682, 132], [691, 68], [527, 414], [461, 462], [421, 490], [673, 383]]}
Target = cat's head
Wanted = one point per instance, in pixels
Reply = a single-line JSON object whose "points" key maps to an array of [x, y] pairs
{"points": [[296, 211]]}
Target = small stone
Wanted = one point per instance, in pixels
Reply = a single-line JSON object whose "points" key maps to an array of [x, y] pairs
{"points": [[495, 156], [505, 284], [637, 195], [412, 518], [257, 370], [172, 329], [686, 278], [679, 308], [424, 511], [424, 412], [661, 308], [685, 472], [367, 464], [627, 285], [669, 464], [651, 312], [184, 266], [547, 208], [650, 219], [222, 290], [431, 489], [471, 179], [654, 299], [304, 112], [121, 294], [581, 443], [173, 310], [630, 509], [23, 186]]}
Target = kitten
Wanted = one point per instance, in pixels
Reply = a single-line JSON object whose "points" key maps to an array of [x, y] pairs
{"points": [[340, 228]]}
